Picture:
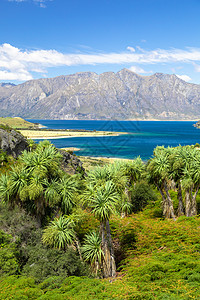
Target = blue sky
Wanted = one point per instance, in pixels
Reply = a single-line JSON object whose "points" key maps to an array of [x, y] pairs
{"points": [[47, 38]]}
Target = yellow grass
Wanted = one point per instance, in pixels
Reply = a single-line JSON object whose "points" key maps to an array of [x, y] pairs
{"points": [[17, 122], [90, 162], [45, 134]]}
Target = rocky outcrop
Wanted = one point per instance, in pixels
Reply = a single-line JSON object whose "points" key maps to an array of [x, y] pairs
{"points": [[124, 95], [197, 124], [71, 164], [12, 142]]}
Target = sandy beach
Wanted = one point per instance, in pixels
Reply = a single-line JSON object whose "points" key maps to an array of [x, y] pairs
{"points": [[48, 134]]}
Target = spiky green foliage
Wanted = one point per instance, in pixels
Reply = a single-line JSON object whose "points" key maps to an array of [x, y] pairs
{"points": [[103, 200], [35, 182], [3, 157], [124, 206], [111, 172], [68, 186], [19, 180], [5, 188], [134, 169], [59, 233], [44, 160], [51, 193], [91, 249], [32, 145]]}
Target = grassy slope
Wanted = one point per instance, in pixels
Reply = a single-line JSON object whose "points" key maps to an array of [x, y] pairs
{"points": [[17, 123], [90, 162], [162, 262]]}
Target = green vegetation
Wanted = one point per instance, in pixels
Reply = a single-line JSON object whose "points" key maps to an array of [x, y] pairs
{"points": [[127, 230], [16, 123]]}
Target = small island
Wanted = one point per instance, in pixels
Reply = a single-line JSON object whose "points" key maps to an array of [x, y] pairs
{"points": [[197, 124]]}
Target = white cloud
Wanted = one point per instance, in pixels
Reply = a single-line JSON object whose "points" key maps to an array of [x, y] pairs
{"points": [[140, 49], [139, 70], [13, 59], [41, 3], [22, 76], [197, 67], [184, 77], [130, 49]]}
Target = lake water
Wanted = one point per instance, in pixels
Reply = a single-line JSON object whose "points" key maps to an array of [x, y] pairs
{"points": [[142, 137]]}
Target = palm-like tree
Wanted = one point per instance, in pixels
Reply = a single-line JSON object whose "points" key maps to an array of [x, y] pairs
{"points": [[102, 201], [193, 174], [114, 172], [68, 187], [5, 188], [98, 176], [36, 195], [133, 169], [124, 206], [159, 173], [92, 251], [51, 193], [43, 161], [59, 233], [177, 172], [186, 172], [19, 180]]}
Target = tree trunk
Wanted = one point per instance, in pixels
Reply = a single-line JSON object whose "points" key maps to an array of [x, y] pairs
{"points": [[128, 194], [112, 264], [96, 268], [170, 208], [180, 211], [187, 203], [78, 248], [104, 249], [109, 267], [164, 200], [193, 211], [123, 214], [39, 219]]}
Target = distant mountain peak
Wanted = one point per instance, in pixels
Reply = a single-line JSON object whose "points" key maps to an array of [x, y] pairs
{"points": [[124, 95], [7, 84]]}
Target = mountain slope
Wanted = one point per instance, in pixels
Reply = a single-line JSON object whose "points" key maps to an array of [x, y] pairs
{"points": [[122, 95]]}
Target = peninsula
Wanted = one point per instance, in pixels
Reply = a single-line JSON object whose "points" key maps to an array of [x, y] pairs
{"points": [[37, 131], [68, 133]]}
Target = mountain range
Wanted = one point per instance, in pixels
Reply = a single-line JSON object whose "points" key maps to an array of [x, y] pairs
{"points": [[124, 95]]}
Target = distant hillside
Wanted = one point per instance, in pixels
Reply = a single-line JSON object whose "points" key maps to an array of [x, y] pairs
{"points": [[123, 95], [18, 123]]}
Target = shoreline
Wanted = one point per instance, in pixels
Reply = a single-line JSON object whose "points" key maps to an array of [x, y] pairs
{"points": [[59, 134], [73, 149], [127, 120], [66, 137], [157, 120]]}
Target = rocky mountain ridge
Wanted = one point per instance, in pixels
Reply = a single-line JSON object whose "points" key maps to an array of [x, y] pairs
{"points": [[124, 95]]}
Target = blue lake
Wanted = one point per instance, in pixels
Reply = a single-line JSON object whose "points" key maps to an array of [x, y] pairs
{"points": [[142, 137]]}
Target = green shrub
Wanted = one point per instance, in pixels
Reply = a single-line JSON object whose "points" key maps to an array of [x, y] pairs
{"points": [[8, 260], [142, 194], [44, 262]]}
